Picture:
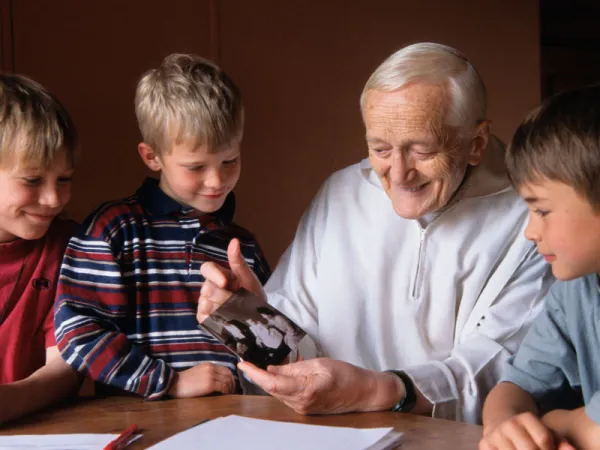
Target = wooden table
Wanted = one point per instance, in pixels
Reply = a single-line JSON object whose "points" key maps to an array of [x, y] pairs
{"points": [[161, 419]]}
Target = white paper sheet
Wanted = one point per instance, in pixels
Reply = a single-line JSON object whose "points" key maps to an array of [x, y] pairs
{"points": [[235, 433], [56, 441]]}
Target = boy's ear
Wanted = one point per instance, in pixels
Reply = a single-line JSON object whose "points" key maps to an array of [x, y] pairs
{"points": [[480, 143], [149, 157]]}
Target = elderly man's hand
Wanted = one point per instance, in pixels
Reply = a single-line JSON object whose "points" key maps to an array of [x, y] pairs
{"points": [[220, 283], [326, 386]]}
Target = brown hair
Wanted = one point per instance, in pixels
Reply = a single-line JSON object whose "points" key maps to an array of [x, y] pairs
{"points": [[560, 141], [34, 125], [188, 98]]}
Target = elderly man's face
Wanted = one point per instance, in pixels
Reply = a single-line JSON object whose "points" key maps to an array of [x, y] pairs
{"points": [[420, 161]]}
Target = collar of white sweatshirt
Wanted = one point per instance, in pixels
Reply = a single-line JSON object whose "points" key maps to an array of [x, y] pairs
{"points": [[448, 302]]}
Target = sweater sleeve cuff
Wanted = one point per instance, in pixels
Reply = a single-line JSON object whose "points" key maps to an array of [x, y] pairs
{"points": [[160, 382], [434, 381]]}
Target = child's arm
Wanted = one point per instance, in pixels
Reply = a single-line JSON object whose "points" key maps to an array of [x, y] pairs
{"points": [[576, 426], [95, 308], [510, 420], [49, 384], [506, 401], [510, 413]]}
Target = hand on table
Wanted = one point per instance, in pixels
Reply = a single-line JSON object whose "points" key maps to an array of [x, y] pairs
{"points": [[326, 386], [575, 426], [220, 282], [203, 379], [523, 432]]}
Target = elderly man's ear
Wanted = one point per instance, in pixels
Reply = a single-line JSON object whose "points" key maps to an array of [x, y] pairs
{"points": [[479, 143]]}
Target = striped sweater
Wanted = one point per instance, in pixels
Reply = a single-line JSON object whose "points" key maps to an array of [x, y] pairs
{"points": [[125, 312]]}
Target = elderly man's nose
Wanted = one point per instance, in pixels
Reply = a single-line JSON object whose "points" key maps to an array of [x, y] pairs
{"points": [[401, 168]]}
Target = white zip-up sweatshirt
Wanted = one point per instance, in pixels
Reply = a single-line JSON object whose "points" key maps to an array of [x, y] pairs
{"points": [[448, 302]]}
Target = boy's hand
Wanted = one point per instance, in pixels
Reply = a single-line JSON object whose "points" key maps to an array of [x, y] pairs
{"points": [[203, 379], [220, 283], [523, 431], [575, 426]]}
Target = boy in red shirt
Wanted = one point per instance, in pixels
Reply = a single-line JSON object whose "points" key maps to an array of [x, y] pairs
{"points": [[37, 150]]}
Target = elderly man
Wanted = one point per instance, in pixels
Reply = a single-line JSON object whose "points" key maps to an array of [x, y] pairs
{"points": [[410, 270]]}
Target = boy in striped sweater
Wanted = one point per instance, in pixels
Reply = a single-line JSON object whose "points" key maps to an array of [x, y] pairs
{"points": [[130, 281]]}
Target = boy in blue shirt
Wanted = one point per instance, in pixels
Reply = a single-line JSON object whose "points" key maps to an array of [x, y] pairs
{"points": [[554, 161]]}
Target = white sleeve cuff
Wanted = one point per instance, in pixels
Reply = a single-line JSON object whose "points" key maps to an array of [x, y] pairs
{"points": [[434, 381]]}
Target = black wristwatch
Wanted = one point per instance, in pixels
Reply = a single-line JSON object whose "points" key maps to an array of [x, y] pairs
{"points": [[410, 398]]}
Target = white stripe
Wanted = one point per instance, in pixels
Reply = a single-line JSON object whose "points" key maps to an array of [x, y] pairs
{"points": [[187, 364], [64, 324], [152, 241], [86, 243], [77, 281], [81, 270], [159, 334], [117, 274]]}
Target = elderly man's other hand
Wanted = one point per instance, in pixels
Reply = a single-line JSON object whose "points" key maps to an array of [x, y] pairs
{"points": [[220, 283], [327, 386]]}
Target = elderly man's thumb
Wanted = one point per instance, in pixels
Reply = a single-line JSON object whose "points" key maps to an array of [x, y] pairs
{"points": [[240, 268], [236, 259]]}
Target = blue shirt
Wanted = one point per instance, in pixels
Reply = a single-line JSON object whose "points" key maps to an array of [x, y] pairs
{"points": [[559, 358]]}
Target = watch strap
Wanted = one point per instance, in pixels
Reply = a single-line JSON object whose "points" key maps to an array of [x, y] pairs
{"points": [[409, 400]]}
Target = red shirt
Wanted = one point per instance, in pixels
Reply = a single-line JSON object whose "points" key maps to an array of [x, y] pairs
{"points": [[28, 277]]}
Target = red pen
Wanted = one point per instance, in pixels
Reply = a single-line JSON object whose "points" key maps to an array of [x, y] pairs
{"points": [[124, 439]]}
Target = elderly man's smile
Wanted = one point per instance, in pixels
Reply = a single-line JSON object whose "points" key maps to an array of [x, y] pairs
{"points": [[412, 189]]}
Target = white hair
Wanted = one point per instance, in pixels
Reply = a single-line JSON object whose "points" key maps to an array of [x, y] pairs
{"points": [[438, 64]]}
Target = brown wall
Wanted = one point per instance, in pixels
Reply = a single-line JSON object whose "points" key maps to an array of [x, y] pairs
{"points": [[301, 66]]}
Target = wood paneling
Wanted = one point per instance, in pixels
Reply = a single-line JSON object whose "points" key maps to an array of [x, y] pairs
{"points": [[6, 49], [301, 65], [91, 54]]}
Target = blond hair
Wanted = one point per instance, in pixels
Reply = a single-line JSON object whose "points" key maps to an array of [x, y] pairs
{"points": [[437, 64], [34, 125], [188, 99], [560, 141]]}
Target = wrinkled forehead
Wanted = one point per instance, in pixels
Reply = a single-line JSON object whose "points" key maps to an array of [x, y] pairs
{"points": [[414, 114], [418, 108]]}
